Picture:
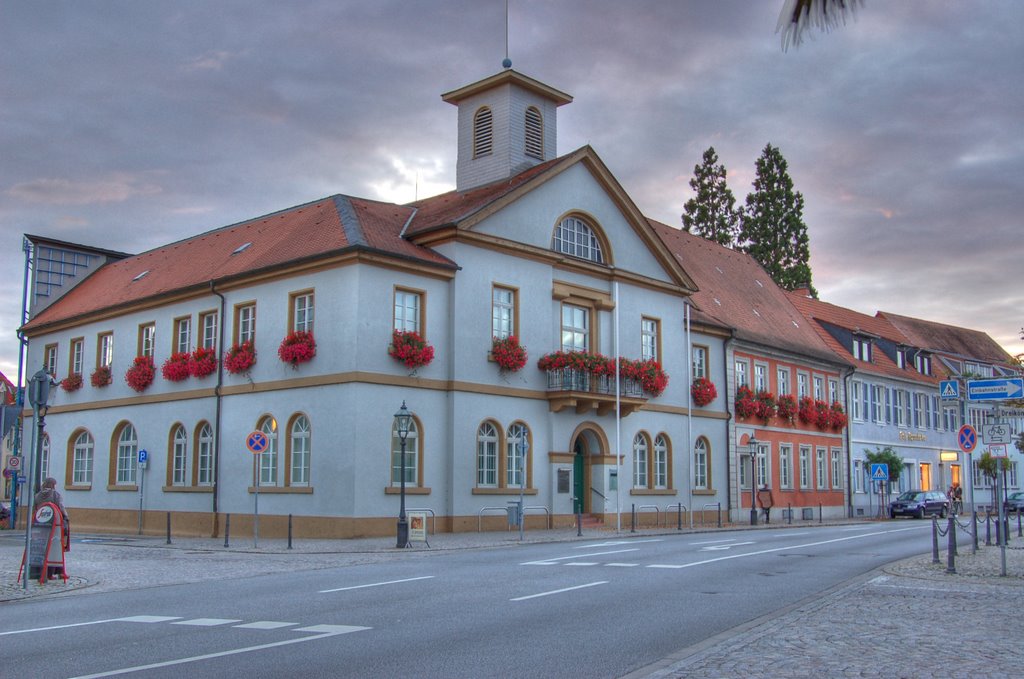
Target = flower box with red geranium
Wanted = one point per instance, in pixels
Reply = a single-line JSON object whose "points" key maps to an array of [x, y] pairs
{"points": [[202, 362], [72, 382], [297, 347], [240, 358], [649, 372], [141, 374], [764, 404], [786, 408], [703, 391], [508, 353], [746, 404], [808, 412], [175, 368], [408, 347], [837, 416], [101, 376], [823, 415]]}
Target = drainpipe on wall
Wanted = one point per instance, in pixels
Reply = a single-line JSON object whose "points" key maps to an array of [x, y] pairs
{"points": [[217, 416], [847, 374], [729, 427]]}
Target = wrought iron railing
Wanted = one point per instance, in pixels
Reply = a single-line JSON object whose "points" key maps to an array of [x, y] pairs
{"points": [[578, 380]]}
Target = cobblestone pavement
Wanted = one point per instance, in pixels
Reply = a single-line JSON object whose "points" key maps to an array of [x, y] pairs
{"points": [[894, 622]]}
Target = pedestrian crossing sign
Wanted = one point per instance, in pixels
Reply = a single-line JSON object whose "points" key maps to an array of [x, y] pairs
{"points": [[949, 389], [879, 471]]}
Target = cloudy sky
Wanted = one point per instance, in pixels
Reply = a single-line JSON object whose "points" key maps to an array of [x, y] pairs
{"points": [[128, 124]]}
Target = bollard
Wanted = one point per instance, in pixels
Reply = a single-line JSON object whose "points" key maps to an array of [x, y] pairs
{"points": [[935, 540], [789, 513], [679, 517], [951, 546], [579, 524], [168, 528], [974, 531], [632, 526], [819, 513], [227, 529], [988, 531], [1019, 533], [289, 531]]}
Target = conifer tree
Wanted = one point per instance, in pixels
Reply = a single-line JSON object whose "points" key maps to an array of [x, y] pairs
{"points": [[712, 212], [772, 229]]}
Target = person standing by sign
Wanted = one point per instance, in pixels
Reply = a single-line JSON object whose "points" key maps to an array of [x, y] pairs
{"points": [[764, 498], [48, 493]]}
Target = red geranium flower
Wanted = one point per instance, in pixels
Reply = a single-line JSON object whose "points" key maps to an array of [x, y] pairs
{"points": [[141, 374]]}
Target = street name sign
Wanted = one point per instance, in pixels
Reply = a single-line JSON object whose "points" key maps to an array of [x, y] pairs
{"points": [[995, 389]]}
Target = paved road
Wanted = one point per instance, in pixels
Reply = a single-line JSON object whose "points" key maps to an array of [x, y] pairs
{"points": [[835, 635]]}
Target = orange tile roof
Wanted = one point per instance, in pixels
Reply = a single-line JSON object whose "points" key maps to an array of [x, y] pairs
{"points": [[321, 228], [818, 313], [949, 339], [737, 291]]}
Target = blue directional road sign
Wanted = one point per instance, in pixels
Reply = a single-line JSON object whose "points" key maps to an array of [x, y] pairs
{"points": [[949, 389], [995, 389], [879, 471]]}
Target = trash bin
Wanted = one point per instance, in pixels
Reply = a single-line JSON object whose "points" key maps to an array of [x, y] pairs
{"points": [[515, 511]]}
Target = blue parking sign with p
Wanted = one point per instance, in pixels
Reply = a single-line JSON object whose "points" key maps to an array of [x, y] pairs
{"points": [[143, 456]]}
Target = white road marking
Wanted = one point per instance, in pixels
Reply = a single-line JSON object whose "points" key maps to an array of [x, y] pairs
{"points": [[713, 542], [205, 622], [376, 584], [266, 624], [148, 618], [559, 591], [546, 562], [581, 563], [713, 548], [622, 565], [53, 627], [616, 543], [328, 631]]}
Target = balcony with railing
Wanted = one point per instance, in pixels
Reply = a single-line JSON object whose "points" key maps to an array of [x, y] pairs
{"points": [[585, 391]]}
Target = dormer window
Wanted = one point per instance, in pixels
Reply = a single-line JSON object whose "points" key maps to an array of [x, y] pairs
{"points": [[923, 363], [901, 357], [862, 349], [574, 237], [534, 133], [483, 132]]}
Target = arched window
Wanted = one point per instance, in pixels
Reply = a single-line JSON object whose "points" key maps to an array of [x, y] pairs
{"points": [[534, 133], [267, 460], [662, 476], [127, 456], [487, 455], [640, 451], [82, 459], [301, 447], [701, 467], [575, 238], [412, 455], [483, 132], [179, 457], [518, 435], [204, 455]]}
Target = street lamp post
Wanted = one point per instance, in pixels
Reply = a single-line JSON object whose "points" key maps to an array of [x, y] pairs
{"points": [[752, 447], [403, 420], [524, 446], [39, 399]]}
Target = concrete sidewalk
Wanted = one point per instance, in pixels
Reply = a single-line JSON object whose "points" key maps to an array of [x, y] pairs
{"points": [[908, 619]]}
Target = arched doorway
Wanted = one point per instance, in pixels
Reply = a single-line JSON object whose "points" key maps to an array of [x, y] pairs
{"points": [[589, 446]]}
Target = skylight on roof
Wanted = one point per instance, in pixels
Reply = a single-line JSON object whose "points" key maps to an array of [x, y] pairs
{"points": [[140, 276], [719, 269], [759, 283], [757, 313], [717, 302], [795, 324], [241, 248]]}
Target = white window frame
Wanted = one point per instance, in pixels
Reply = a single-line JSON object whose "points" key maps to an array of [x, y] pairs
{"points": [[575, 334], [701, 469], [786, 465], [408, 310], [300, 435], [83, 456], [487, 455], [805, 467], [127, 456], [179, 456], [503, 311], [783, 378], [641, 449]]}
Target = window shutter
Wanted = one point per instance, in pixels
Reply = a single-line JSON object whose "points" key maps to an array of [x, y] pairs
{"points": [[483, 134], [534, 133]]}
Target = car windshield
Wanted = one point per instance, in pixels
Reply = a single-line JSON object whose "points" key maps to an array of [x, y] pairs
{"points": [[1019, 495], [911, 495]]}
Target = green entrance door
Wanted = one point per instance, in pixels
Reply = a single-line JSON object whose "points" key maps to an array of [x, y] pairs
{"points": [[579, 486]]}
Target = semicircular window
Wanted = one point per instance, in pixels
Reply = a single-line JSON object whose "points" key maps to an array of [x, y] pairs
{"points": [[575, 237]]}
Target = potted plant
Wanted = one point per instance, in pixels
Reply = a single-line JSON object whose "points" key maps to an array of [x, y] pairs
{"points": [[202, 362], [175, 368], [141, 374], [411, 349], [764, 404], [297, 347], [745, 405], [508, 353], [651, 376], [823, 414], [703, 391], [240, 358], [837, 416], [808, 412], [73, 382], [101, 376], [786, 408]]}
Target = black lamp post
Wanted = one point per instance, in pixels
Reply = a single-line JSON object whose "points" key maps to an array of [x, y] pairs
{"points": [[752, 444], [39, 399], [403, 419]]}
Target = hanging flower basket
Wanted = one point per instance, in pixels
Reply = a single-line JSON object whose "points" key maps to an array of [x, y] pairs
{"points": [[764, 405], [175, 368], [745, 402], [240, 358], [649, 373], [101, 376], [411, 349], [581, 361], [703, 391], [141, 374], [72, 382], [297, 347], [202, 362], [508, 353], [837, 416], [786, 408]]}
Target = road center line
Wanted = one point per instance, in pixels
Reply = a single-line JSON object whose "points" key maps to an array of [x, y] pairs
{"points": [[576, 556], [220, 654], [375, 584], [53, 627], [712, 542], [559, 591]]}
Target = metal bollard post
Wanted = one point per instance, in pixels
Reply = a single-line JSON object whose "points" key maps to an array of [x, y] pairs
{"points": [[168, 528], [974, 531], [951, 546], [289, 531], [227, 529], [579, 524], [789, 513], [679, 517], [632, 524], [988, 531], [819, 513], [719, 514], [1019, 533], [935, 540]]}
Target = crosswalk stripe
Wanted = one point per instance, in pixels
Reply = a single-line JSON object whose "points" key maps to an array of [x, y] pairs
{"points": [[266, 624], [206, 622]]}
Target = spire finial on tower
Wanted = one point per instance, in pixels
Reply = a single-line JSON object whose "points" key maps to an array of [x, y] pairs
{"points": [[506, 62]]}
